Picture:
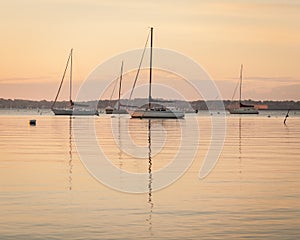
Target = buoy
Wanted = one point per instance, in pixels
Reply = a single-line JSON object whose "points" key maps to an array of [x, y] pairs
{"points": [[32, 122]]}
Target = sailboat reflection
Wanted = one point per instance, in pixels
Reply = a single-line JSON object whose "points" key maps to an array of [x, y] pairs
{"points": [[240, 138], [150, 202], [240, 143], [121, 134], [120, 153], [70, 163]]}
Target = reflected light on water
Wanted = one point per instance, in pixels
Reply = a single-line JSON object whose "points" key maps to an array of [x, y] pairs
{"points": [[253, 192]]}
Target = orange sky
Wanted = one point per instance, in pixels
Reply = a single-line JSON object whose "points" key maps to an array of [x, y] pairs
{"points": [[264, 35]]}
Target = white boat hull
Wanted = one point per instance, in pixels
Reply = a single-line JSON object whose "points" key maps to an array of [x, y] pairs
{"points": [[244, 110], [149, 113], [73, 112]]}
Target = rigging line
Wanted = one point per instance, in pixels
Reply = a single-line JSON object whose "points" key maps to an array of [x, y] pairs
{"points": [[239, 83], [138, 71], [236, 87], [62, 80], [113, 89], [116, 81]]}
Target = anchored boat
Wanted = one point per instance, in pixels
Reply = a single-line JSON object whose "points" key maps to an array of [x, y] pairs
{"points": [[72, 109], [155, 112], [242, 108]]}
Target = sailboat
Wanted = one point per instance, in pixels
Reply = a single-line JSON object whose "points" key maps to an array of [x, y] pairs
{"points": [[151, 111], [72, 109], [118, 110], [242, 108]]}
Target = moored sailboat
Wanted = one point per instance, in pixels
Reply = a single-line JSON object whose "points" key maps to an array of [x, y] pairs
{"points": [[118, 110], [242, 108], [150, 111], [72, 108]]}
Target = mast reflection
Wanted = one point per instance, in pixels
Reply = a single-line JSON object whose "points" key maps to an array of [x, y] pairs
{"points": [[150, 202], [120, 151], [240, 143], [120, 144], [70, 163]]}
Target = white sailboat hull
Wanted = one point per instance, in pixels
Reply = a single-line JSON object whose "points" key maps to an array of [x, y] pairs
{"points": [[150, 113], [74, 112]]}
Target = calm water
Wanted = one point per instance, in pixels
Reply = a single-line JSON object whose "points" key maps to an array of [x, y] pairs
{"points": [[47, 193]]}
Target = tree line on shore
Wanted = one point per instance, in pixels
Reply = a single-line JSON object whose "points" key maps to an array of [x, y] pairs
{"points": [[196, 105]]}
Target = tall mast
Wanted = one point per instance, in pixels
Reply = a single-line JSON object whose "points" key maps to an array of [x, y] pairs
{"points": [[62, 79], [150, 77], [241, 79], [71, 63], [120, 85]]}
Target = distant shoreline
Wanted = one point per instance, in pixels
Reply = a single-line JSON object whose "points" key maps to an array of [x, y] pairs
{"points": [[196, 105]]}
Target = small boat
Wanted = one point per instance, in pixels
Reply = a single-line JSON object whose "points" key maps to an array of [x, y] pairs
{"points": [[155, 112], [242, 108], [109, 110], [118, 110], [72, 109]]}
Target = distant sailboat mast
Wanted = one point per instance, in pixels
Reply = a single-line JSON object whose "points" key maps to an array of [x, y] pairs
{"points": [[71, 66], [120, 86], [241, 79], [63, 77], [150, 77]]}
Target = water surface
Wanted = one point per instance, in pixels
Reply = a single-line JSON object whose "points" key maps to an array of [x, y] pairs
{"points": [[47, 193]]}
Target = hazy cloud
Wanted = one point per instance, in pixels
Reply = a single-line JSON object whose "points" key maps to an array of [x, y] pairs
{"points": [[269, 78], [274, 79], [14, 80]]}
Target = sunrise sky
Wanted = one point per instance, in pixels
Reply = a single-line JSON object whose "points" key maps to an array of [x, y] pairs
{"points": [[264, 35]]}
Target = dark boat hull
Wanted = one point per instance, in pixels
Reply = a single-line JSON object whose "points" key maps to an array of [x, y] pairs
{"points": [[74, 112]]}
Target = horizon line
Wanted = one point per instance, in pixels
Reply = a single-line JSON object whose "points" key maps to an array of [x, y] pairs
{"points": [[161, 99]]}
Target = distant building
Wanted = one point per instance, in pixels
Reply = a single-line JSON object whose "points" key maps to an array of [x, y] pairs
{"points": [[261, 106]]}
